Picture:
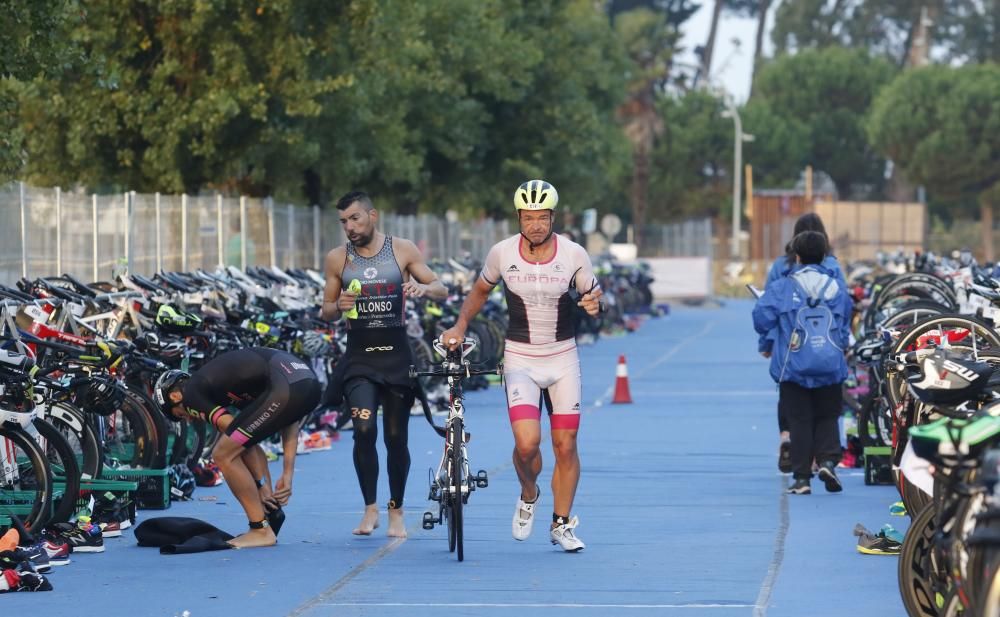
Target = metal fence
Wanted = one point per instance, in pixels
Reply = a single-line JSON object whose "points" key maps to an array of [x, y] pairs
{"points": [[692, 238], [46, 232]]}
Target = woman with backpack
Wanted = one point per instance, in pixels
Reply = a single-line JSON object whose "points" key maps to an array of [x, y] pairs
{"points": [[781, 267], [804, 319]]}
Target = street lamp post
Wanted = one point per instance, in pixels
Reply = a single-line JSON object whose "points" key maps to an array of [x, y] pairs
{"points": [[739, 138]]}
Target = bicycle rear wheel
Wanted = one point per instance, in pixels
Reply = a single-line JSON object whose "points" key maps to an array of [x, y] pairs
{"points": [[916, 566], [457, 471], [64, 467]]}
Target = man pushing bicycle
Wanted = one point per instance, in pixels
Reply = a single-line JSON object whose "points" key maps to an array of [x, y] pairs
{"points": [[538, 269]]}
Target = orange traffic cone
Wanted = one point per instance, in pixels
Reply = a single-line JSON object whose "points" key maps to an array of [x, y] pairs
{"points": [[622, 394]]}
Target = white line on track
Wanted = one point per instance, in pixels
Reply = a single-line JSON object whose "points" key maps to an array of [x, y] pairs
{"points": [[764, 596], [537, 605], [669, 354]]}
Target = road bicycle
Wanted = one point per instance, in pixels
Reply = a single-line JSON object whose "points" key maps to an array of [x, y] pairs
{"points": [[451, 486]]}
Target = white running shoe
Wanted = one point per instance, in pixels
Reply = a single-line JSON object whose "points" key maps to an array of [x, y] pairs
{"points": [[564, 536], [524, 516]]}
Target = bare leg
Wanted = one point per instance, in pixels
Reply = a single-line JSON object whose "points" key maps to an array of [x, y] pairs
{"points": [[229, 456], [527, 456], [566, 474], [369, 522]]}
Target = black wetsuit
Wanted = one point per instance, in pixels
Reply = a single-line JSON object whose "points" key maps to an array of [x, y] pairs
{"points": [[266, 389], [376, 371]]}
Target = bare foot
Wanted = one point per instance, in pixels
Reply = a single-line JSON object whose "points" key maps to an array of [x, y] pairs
{"points": [[369, 522], [254, 538], [397, 526]]}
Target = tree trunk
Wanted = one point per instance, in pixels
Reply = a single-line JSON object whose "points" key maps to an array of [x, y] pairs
{"points": [[640, 189], [706, 63], [758, 48], [986, 223]]}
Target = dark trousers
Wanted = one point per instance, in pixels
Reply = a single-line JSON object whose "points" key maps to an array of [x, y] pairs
{"points": [[812, 415]]}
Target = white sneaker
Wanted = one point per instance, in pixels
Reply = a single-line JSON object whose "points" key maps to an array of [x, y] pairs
{"points": [[524, 516], [564, 536]]}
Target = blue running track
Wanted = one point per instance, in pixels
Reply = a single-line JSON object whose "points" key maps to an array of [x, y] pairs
{"points": [[680, 504]]}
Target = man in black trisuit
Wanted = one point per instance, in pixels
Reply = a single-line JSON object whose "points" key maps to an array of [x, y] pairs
{"points": [[375, 370], [248, 395]]}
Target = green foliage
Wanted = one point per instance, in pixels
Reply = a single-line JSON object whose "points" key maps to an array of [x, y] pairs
{"points": [[942, 125], [432, 105], [810, 109], [692, 162]]}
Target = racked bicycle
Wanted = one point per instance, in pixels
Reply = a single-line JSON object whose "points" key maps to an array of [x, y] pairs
{"points": [[451, 486]]}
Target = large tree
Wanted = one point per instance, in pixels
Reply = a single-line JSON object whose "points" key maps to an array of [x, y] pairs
{"points": [[942, 125], [822, 97], [31, 44]]}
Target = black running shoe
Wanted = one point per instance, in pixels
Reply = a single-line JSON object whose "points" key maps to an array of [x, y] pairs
{"points": [[800, 487], [829, 477], [785, 457]]}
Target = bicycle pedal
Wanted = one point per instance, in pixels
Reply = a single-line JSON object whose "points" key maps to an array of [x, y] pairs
{"points": [[429, 521], [482, 480]]}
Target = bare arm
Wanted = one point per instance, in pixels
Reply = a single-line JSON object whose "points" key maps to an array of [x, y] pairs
{"points": [[470, 308], [334, 285], [423, 281], [289, 443]]}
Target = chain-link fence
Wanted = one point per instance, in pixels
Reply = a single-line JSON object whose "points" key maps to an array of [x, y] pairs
{"points": [[47, 232]]}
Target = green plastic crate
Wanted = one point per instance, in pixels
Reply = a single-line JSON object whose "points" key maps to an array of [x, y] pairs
{"points": [[21, 502], [878, 465], [153, 487]]}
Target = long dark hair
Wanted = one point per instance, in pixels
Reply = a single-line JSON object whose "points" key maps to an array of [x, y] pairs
{"points": [[809, 221]]}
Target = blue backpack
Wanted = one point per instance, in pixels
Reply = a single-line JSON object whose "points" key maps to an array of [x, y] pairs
{"points": [[812, 351]]}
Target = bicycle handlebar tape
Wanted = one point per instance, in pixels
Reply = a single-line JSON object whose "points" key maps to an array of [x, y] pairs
{"points": [[622, 394], [354, 288]]}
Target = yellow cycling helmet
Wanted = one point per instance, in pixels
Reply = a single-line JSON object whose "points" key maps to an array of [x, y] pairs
{"points": [[536, 195]]}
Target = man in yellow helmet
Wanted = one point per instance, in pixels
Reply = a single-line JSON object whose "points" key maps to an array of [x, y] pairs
{"points": [[539, 268]]}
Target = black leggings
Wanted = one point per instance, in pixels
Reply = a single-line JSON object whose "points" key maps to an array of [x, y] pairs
{"points": [[362, 397], [812, 415]]}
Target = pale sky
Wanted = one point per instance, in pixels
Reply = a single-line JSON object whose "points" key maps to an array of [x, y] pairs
{"points": [[731, 67]]}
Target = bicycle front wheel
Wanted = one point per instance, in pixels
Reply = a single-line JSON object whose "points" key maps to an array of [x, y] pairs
{"points": [[457, 471], [25, 478]]}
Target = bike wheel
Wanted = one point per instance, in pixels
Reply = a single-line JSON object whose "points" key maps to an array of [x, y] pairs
{"points": [[457, 479], [64, 467], [25, 478], [79, 431], [915, 566]]}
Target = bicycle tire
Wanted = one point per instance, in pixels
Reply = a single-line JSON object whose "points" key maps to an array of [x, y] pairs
{"points": [[914, 566], [156, 422], [71, 421], [59, 452], [38, 467], [458, 471]]}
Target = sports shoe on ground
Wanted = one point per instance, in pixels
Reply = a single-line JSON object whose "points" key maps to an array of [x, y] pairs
{"points": [[318, 441], [800, 487], [897, 509], [15, 559], [829, 477], [524, 516], [112, 529], [785, 457], [58, 552], [38, 556], [564, 536], [878, 545], [85, 540]]}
